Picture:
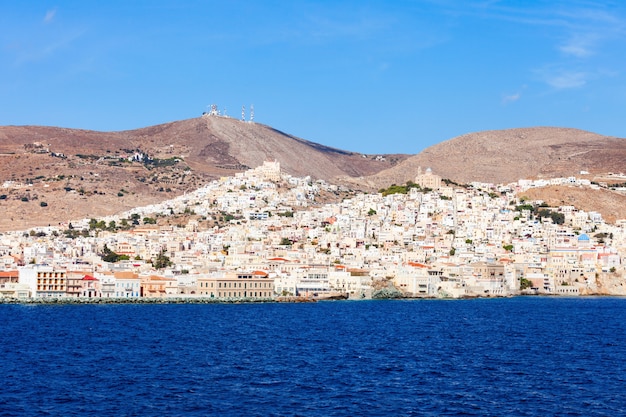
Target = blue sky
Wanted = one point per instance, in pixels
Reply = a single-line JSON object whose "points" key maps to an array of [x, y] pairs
{"points": [[367, 76]]}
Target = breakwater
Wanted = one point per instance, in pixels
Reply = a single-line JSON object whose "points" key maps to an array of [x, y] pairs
{"points": [[141, 300]]}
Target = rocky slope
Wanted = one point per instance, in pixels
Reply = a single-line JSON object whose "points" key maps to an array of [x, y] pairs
{"points": [[503, 156], [610, 204], [53, 175]]}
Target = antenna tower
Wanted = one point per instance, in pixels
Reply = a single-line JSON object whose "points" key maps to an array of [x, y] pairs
{"points": [[243, 113], [251, 112]]}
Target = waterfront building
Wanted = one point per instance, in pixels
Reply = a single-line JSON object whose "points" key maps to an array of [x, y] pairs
{"points": [[7, 277], [90, 287], [228, 284], [44, 280], [74, 283], [107, 285], [127, 284], [156, 286], [417, 279]]}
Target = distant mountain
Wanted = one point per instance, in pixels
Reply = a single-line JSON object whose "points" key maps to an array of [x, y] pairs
{"points": [[212, 145], [81, 173], [51, 175], [503, 156]]}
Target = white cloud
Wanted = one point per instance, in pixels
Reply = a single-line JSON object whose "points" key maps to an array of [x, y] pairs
{"points": [[511, 98], [580, 46], [566, 79], [578, 51], [49, 17]]}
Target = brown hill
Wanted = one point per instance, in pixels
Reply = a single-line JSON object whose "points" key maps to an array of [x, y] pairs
{"points": [[212, 145], [55, 174], [504, 156], [611, 204]]}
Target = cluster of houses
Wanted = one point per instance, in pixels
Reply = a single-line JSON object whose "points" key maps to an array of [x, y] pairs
{"points": [[270, 237]]}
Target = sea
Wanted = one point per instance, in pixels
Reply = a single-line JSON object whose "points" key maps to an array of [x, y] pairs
{"points": [[523, 356]]}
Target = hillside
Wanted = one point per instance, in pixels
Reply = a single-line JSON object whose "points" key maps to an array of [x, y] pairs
{"points": [[610, 204], [212, 145], [503, 156], [53, 175]]}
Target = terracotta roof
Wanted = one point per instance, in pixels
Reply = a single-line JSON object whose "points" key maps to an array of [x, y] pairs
{"points": [[89, 278], [417, 265], [125, 274]]}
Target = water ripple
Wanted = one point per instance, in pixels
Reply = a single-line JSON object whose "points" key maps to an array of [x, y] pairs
{"points": [[514, 357]]}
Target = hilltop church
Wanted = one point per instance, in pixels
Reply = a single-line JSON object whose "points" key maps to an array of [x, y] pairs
{"points": [[427, 179]]}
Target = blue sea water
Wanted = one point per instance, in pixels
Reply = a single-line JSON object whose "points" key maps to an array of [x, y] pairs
{"points": [[484, 357]]}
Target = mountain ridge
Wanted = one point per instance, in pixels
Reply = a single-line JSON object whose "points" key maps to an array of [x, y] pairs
{"points": [[80, 173], [505, 156]]}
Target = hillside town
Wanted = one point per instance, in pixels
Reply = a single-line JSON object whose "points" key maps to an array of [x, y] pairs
{"points": [[265, 235]]}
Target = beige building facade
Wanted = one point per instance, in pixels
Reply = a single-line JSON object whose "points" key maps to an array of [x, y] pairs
{"points": [[237, 285], [428, 179]]}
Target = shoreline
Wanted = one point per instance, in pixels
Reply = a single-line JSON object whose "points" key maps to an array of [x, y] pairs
{"points": [[290, 300]]}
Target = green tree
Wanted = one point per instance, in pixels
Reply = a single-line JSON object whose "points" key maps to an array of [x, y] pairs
{"points": [[109, 256], [162, 260]]}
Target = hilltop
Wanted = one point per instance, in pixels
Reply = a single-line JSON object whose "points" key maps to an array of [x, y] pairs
{"points": [[56, 174], [52, 175], [504, 156]]}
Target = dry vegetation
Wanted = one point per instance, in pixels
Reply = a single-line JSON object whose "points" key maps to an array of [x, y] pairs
{"points": [[62, 174], [504, 156], [611, 204]]}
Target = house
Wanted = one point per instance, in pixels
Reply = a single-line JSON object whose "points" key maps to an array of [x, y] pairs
{"points": [[127, 284], [155, 286], [90, 287], [44, 280], [14, 290], [256, 285]]}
